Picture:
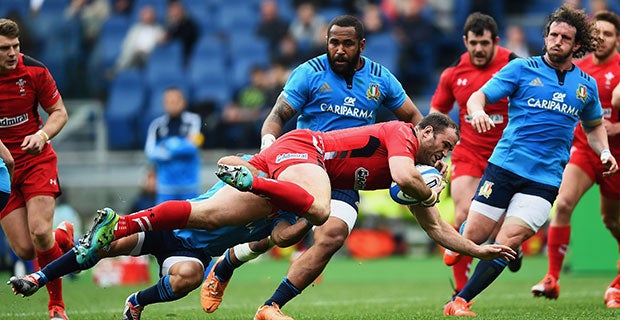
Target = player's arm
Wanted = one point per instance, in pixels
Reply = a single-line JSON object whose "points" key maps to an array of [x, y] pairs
{"points": [[597, 139], [56, 120], [9, 162], [275, 121], [475, 108], [444, 234], [285, 235], [615, 97], [410, 180], [408, 112]]}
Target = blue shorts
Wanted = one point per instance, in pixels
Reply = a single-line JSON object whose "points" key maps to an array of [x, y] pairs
{"points": [[163, 245], [352, 197], [497, 187]]}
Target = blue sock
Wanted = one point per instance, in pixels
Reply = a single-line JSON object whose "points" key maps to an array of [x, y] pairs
{"points": [[64, 265], [225, 269], [286, 292], [462, 227], [486, 272], [161, 292]]}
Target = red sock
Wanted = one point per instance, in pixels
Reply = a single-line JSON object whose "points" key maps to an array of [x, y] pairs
{"points": [[285, 195], [62, 238], [54, 287], [167, 215], [460, 271], [616, 282], [557, 244]]}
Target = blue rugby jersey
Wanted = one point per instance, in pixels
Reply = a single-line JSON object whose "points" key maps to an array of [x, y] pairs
{"points": [[544, 107], [325, 101]]}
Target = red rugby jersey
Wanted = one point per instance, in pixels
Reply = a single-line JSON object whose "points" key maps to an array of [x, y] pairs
{"points": [[21, 91], [357, 158], [457, 83], [607, 77]]}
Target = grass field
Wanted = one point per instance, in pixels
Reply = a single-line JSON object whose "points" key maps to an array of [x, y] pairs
{"points": [[395, 288]]}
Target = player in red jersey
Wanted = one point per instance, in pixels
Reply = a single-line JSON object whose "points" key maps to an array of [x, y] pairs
{"points": [[484, 57], [584, 167], [27, 218]]}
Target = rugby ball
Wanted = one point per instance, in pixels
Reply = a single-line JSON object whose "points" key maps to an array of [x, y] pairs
{"points": [[432, 178]]}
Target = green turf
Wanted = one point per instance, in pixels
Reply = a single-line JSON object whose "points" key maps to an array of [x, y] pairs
{"points": [[397, 288]]}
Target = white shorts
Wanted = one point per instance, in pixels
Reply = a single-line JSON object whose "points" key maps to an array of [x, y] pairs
{"points": [[533, 210]]}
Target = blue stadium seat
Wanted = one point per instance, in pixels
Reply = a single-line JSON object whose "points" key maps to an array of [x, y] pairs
{"points": [[383, 49], [126, 100], [200, 12], [21, 7], [242, 63], [209, 46], [234, 20], [165, 64]]}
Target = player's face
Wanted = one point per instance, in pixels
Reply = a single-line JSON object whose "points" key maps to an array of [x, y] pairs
{"points": [[174, 102], [434, 146], [560, 42], [609, 45], [481, 48], [9, 53], [343, 49]]}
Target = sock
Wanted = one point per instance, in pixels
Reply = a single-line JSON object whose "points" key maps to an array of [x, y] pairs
{"points": [[557, 244], [161, 292], [460, 271], [64, 265], [286, 292], [616, 283], [225, 269], [285, 195], [167, 215], [54, 287], [64, 241], [485, 273]]}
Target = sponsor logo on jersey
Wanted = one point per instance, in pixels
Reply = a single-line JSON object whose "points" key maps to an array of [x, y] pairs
{"points": [[348, 109], [289, 156], [21, 84], [606, 113], [14, 121], [582, 93], [608, 77], [373, 92], [325, 88], [361, 175], [556, 104], [536, 83], [486, 189], [461, 82]]}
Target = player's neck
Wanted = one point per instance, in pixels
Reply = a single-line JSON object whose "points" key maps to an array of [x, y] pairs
{"points": [[603, 60], [562, 66]]}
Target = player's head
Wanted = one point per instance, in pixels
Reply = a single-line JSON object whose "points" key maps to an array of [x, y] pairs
{"points": [[437, 135], [569, 33], [174, 101], [480, 38], [608, 29], [345, 43], [9, 45]]}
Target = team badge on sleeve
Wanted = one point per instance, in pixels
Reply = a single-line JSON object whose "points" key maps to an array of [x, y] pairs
{"points": [[373, 92], [582, 93]]}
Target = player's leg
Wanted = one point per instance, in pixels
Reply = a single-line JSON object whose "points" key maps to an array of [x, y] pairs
{"points": [[213, 287], [462, 190], [610, 211], [575, 182], [328, 238], [66, 264]]}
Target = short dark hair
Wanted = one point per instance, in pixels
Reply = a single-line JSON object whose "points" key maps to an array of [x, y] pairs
{"points": [[348, 21], [478, 22], [577, 18], [9, 29], [439, 122], [609, 17]]}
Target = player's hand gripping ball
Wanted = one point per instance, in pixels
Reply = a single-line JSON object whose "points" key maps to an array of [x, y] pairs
{"points": [[432, 178]]}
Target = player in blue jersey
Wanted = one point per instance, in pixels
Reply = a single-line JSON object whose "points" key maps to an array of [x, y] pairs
{"points": [[182, 255], [548, 95], [336, 90]]}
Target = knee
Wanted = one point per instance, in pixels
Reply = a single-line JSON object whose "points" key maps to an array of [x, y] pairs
{"points": [[563, 209], [318, 214], [331, 239]]}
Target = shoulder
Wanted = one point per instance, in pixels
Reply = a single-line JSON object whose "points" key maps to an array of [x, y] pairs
{"points": [[32, 62], [315, 65]]}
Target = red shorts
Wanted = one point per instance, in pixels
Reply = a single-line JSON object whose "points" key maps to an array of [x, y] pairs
{"points": [[467, 163], [35, 175], [590, 163], [299, 146]]}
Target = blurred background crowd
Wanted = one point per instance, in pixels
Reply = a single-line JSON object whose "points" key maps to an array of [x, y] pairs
{"points": [[231, 58]]}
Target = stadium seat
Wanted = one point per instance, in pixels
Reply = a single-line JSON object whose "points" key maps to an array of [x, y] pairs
{"points": [[20, 7], [242, 63], [165, 64], [383, 49], [234, 20], [126, 101]]}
